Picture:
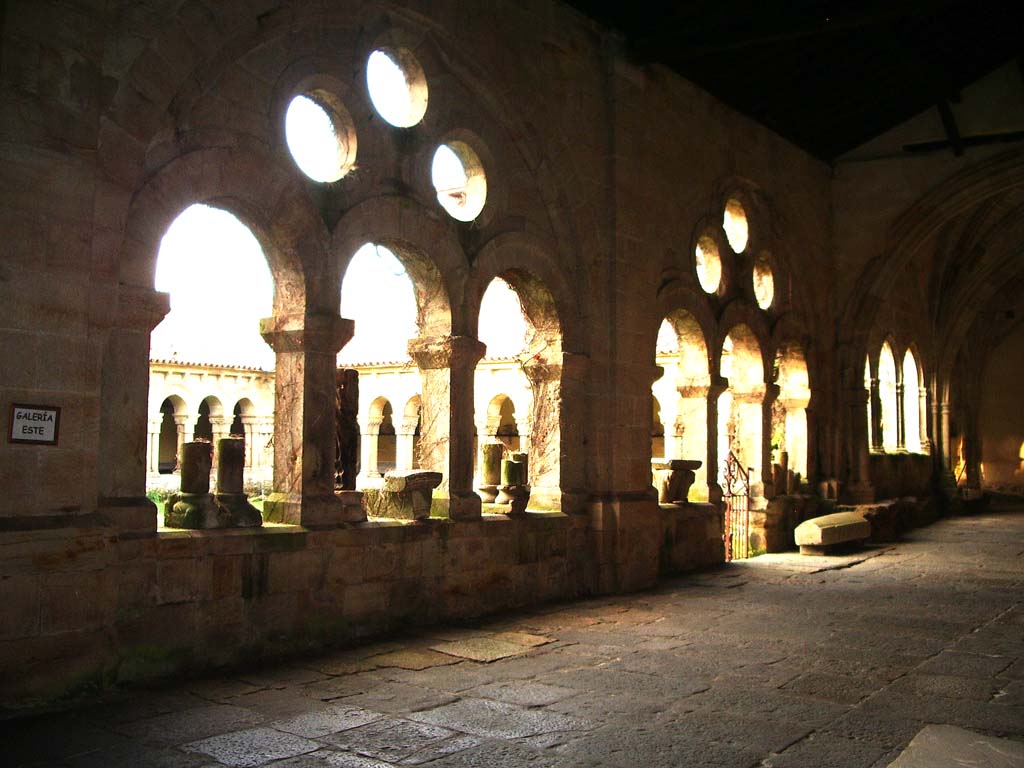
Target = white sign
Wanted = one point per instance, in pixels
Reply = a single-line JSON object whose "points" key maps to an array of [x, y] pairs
{"points": [[38, 424]]}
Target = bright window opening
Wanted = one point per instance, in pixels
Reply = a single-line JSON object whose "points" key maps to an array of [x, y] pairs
{"points": [[398, 88], [378, 295], [911, 404], [887, 395], [459, 179], [764, 283], [320, 137], [220, 287], [734, 222], [708, 264]]}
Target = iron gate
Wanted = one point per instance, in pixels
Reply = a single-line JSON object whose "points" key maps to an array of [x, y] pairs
{"points": [[737, 509]]}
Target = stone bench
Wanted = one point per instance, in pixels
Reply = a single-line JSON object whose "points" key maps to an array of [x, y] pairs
{"points": [[818, 535], [673, 478], [404, 494]]}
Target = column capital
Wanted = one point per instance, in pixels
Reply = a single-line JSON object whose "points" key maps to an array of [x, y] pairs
{"points": [[435, 352], [717, 386], [138, 309], [307, 333], [540, 369]]}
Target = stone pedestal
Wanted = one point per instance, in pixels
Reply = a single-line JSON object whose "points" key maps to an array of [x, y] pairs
{"points": [[673, 478], [514, 491], [404, 495], [490, 470], [235, 509], [193, 507]]}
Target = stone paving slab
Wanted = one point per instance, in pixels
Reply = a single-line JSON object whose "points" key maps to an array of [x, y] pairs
{"points": [[252, 748], [945, 746], [485, 649]]}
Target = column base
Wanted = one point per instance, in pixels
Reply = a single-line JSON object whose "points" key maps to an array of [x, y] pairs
{"points": [[353, 508]]}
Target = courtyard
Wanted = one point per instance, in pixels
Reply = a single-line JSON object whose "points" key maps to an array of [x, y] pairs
{"points": [[781, 660]]}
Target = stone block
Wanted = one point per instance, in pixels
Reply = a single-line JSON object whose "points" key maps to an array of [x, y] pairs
{"points": [[817, 534], [404, 495]]}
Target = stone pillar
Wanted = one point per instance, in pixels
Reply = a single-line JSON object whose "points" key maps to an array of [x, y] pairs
{"points": [[153, 446], [556, 429], [950, 461], [861, 490], [717, 388], [876, 416], [305, 399], [490, 470], [901, 420], [219, 426], [771, 394], [370, 448], [406, 448], [922, 410], [249, 426], [447, 367], [181, 428], [124, 418]]}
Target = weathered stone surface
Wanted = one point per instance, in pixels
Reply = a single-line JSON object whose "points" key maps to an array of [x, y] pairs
{"points": [[938, 746], [829, 530], [251, 748], [481, 649]]}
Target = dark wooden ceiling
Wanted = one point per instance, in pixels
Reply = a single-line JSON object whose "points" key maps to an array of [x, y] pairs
{"points": [[826, 75]]}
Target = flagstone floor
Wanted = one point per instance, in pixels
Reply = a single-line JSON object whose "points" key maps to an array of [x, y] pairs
{"points": [[782, 661]]}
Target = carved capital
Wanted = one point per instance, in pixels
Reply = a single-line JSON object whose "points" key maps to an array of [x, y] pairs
{"points": [[541, 370], [459, 352], [139, 309], [306, 333]]}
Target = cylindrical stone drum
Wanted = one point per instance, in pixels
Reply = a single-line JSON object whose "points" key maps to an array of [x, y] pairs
{"points": [[230, 465], [512, 472], [490, 462], [195, 467], [524, 459]]}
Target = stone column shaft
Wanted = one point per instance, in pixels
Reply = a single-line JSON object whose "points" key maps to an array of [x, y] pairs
{"points": [[305, 404], [447, 367]]}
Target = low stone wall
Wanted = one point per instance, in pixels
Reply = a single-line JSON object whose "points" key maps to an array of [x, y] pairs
{"points": [[85, 609], [898, 475], [692, 538]]}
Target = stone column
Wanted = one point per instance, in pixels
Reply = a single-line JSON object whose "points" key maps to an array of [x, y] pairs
{"points": [[153, 450], [406, 449], [717, 388], [771, 394], [219, 426], [861, 490], [901, 420], [922, 410], [447, 367], [556, 431], [370, 447], [305, 399], [249, 426], [944, 411], [124, 418], [181, 428], [876, 416]]}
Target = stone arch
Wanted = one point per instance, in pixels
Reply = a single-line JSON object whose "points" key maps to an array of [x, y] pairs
{"points": [[427, 248], [552, 363], [743, 405], [682, 392], [549, 299], [252, 186], [741, 313], [170, 434], [789, 433]]}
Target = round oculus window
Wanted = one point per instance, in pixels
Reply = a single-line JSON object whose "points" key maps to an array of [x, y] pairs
{"points": [[397, 85], [459, 180]]}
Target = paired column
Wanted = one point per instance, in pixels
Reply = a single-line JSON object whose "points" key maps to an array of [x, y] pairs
{"points": [[875, 400], [305, 402], [405, 456], [901, 420], [153, 446], [447, 367]]}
